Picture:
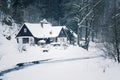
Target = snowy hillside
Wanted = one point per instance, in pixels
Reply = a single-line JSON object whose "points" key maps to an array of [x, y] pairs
{"points": [[72, 63], [7, 46]]}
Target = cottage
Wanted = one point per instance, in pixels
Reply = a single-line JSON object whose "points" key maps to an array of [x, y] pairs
{"points": [[32, 33]]}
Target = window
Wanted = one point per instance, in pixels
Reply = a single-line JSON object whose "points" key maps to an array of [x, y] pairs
{"points": [[25, 30], [25, 40], [17, 40]]}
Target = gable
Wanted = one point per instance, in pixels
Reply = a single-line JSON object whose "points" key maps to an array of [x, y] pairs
{"points": [[62, 33], [24, 32]]}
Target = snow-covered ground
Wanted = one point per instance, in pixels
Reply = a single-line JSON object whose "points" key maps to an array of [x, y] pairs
{"points": [[73, 63], [92, 69]]}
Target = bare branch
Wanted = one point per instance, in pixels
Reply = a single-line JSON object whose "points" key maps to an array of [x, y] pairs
{"points": [[76, 19], [85, 17], [89, 13], [116, 15], [83, 7], [78, 6]]}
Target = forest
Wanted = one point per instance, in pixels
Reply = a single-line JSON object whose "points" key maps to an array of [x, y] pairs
{"points": [[91, 20]]}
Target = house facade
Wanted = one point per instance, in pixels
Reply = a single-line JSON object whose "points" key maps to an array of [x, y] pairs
{"points": [[32, 33]]}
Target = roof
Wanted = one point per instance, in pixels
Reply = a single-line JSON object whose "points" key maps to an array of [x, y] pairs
{"points": [[43, 31]]}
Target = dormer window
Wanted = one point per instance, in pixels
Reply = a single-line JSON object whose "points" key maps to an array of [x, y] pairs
{"points": [[25, 30]]}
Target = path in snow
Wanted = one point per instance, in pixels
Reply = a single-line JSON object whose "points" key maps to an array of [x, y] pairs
{"points": [[20, 66]]}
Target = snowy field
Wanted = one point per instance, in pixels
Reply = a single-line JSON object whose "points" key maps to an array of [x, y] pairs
{"points": [[72, 63]]}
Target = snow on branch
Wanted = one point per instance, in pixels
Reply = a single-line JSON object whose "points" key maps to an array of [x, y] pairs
{"points": [[85, 17], [83, 7], [76, 5], [116, 15], [91, 10]]}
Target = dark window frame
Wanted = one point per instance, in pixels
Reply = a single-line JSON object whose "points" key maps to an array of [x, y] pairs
{"points": [[25, 40]]}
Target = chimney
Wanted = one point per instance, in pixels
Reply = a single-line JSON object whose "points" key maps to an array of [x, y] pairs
{"points": [[44, 21]]}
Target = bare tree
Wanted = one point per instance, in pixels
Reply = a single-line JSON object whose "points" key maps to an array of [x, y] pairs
{"points": [[112, 30], [85, 20]]}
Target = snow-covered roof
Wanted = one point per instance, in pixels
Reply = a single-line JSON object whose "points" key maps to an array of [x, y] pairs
{"points": [[44, 30]]}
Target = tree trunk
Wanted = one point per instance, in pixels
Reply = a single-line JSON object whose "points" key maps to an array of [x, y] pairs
{"points": [[118, 54], [78, 36], [92, 36], [116, 34]]}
